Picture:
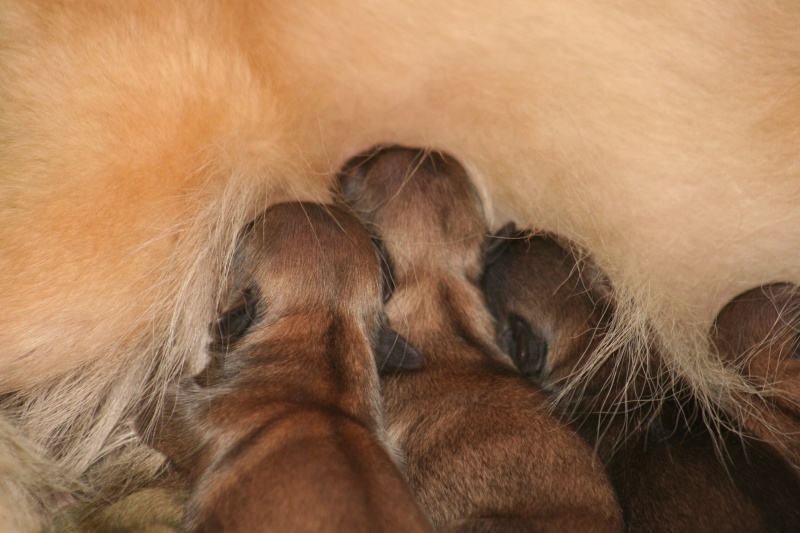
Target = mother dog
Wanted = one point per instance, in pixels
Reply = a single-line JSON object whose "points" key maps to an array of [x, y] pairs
{"points": [[136, 138]]}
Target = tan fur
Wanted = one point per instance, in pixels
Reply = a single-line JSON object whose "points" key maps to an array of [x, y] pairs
{"points": [[136, 138], [483, 454], [150, 510], [553, 311], [282, 429]]}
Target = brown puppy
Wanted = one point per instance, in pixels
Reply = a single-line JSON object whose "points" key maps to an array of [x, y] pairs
{"points": [[553, 312], [483, 454], [137, 137], [282, 431], [758, 333]]}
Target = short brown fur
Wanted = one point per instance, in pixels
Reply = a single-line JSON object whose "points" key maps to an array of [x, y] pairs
{"points": [[282, 431], [483, 454]]}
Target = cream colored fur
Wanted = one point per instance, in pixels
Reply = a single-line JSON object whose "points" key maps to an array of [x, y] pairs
{"points": [[137, 137]]}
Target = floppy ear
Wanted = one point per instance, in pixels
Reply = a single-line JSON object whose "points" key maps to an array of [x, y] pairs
{"points": [[354, 170], [596, 281], [498, 242], [395, 354]]}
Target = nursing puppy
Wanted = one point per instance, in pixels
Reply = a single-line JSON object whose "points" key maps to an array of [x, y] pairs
{"points": [[758, 334], [282, 431], [553, 312], [553, 309], [482, 452], [136, 140]]}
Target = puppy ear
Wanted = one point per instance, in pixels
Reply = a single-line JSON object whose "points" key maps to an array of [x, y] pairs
{"points": [[498, 242], [597, 282], [354, 171], [395, 354]]}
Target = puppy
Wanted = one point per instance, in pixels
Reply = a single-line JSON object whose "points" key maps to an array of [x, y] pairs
{"points": [[553, 312], [482, 452], [135, 141], [758, 334], [282, 432]]}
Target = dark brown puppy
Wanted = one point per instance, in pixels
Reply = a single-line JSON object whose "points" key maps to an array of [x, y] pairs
{"points": [[758, 333], [553, 312], [483, 454], [282, 431]]}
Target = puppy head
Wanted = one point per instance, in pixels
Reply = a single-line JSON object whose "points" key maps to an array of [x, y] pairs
{"points": [[303, 256], [299, 260], [313, 262], [550, 310], [758, 332], [422, 207]]}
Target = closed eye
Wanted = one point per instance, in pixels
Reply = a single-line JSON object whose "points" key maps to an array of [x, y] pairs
{"points": [[235, 322], [386, 268], [527, 349]]}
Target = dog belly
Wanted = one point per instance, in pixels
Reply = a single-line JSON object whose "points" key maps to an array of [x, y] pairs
{"points": [[643, 135], [136, 141], [670, 160]]}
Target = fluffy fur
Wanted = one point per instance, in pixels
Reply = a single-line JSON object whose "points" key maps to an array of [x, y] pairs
{"points": [[136, 138], [660, 457]]}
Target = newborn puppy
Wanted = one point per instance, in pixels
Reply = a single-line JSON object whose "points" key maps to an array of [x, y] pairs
{"points": [[550, 309], [553, 312], [758, 332], [482, 451], [282, 431]]}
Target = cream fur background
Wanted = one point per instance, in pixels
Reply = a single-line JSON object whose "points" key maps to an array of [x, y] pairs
{"points": [[137, 137]]}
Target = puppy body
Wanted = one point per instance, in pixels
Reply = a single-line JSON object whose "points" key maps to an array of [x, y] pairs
{"points": [[553, 312], [483, 454], [135, 141], [281, 432]]}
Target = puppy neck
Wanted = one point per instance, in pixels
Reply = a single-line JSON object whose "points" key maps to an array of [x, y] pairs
{"points": [[311, 358], [453, 322]]}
